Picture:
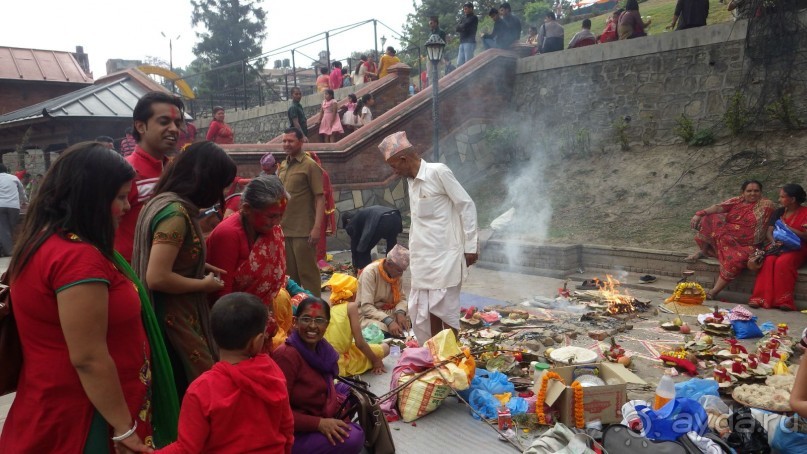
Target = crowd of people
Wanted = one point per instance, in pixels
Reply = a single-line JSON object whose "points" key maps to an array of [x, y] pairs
{"points": [[750, 231], [126, 306]]}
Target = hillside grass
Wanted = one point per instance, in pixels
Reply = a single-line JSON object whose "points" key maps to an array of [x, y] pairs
{"points": [[661, 12]]}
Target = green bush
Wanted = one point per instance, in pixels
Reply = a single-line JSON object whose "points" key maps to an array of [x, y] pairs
{"points": [[737, 114], [702, 138], [535, 12], [502, 141], [784, 111], [684, 128], [620, 131]]}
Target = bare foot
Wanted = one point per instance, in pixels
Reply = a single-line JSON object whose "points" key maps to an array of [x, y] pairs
{"points": [[695, 256]]}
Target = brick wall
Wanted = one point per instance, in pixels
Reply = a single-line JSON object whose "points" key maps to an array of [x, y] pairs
{"points": [[18, 94]]}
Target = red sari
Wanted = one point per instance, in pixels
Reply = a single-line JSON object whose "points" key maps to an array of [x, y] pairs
{"points": [[258, 268], [732, 236], [777, 278], [329, 223]]}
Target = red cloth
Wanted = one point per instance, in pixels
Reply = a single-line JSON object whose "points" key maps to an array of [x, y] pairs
{"points": [[148, 170], [733, 235], [308, 390], [777, 277], [584, 43], [187, 136], [329, 224], [371, 68], [240, 407], [610, 32], [233, 203], [258, 269], [51, 412], [127, 145], [335, 79], [220, 132]]}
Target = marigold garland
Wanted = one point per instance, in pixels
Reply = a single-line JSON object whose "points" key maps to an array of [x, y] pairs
{"points": [[579, 420], [539, 403]]}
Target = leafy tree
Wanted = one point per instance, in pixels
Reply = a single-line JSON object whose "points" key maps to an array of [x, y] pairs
{"points": [[232, 31], [535, 12]]}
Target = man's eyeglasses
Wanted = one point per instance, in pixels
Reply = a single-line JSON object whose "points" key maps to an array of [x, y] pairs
{"points": [[306, 320]]}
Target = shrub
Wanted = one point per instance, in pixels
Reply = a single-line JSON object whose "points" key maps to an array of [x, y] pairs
{"points": [[702, 138], [620, 130], [736, 116], [784, 111], [684, 128]]}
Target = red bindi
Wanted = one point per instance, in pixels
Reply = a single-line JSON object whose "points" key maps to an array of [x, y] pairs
{"points": [[174, 113], [316, 306]]}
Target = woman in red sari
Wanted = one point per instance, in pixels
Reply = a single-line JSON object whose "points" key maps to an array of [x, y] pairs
{"points": [[219, 131], [250, 247], [777, 278], [731, 231]]}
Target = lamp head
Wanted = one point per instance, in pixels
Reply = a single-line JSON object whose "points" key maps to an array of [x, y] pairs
{"points": [[434, 47]]}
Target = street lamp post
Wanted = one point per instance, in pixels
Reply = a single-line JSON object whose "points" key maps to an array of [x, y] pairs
{"points": [[171, 58], [383, 42], [434, 48]]}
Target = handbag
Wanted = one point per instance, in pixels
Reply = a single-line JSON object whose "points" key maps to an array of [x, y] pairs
{"points": [[10, 347], [781, 233], [364, 408]]}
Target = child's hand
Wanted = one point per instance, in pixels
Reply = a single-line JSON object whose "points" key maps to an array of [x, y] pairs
{"points": [[378, 367]]}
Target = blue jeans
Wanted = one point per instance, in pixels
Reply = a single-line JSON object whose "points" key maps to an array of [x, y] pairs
{"points": [[466, 52]]}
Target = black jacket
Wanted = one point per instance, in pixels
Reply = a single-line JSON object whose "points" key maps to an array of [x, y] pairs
{"points": [[467, 29]]}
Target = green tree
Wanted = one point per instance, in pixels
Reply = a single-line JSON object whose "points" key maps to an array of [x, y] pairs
{"points": [[535, 12], [232, 32]]}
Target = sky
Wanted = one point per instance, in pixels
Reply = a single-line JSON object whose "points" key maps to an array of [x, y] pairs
{"points": [[133, 30]]}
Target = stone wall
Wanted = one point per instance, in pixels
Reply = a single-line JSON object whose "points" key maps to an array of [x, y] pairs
{"points": [[651, 80]]}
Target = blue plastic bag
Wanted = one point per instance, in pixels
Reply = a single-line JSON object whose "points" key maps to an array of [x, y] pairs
{"points": [[767, 326], [517, 406], [484, 403], [695, 388], [790, 241], [746, 329], [786, 440], [677, 418], [492, 382]]}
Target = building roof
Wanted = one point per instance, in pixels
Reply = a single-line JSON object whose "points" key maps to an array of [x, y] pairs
{"points": [[110, 98], [40, 65]]}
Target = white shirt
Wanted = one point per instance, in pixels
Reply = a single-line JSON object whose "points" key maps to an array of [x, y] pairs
{"points": [[11, 191], [443, 227]]}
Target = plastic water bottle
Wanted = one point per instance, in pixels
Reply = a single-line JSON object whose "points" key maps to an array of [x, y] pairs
{"points": [[394, 351], [538, 371], [411, 90], [665, 392]]}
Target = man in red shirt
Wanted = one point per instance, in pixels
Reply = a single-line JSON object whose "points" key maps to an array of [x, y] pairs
{"points": [[158, 120]]}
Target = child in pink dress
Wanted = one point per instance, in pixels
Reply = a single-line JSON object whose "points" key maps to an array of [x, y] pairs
{"points": [[329, 124]]}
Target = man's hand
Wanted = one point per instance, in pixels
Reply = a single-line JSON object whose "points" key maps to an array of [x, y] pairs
{"points": [[214, 269], [395, 329], [470, 259], [403, 321], [313, 237]]}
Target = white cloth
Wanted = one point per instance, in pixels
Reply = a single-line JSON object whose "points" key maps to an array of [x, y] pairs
{"points": [[443, 228], [443, 303], [366, 117], [11, 191]]}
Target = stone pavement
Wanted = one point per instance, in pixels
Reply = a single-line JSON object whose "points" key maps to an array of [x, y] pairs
{"points": [[452, 429]]}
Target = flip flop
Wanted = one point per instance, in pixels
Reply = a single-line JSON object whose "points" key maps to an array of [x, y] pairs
{"points": [[647, 279]]}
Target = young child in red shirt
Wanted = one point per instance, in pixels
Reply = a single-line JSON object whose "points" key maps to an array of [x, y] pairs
{"points": [[242, 403]]}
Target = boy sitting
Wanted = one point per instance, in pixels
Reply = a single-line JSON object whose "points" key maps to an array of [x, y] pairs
{"points": [[242, 403]]}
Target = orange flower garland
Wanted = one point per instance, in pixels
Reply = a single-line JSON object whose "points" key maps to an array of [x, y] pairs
{"points": [[539, 403], [579, 421]]}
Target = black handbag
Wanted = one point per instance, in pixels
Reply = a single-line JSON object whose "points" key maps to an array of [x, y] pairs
{"points": [[364, 408], [10, 347]]}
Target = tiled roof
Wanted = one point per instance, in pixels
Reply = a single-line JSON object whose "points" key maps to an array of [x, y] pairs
{"points": [[113, 99], [40, 65]]}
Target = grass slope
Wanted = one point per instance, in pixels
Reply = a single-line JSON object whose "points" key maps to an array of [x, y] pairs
{"points": [[662, 13]]}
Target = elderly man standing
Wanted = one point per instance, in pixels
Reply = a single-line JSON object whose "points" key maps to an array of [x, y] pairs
{"points": [[442, 238], [305, 212], [380, 297]]}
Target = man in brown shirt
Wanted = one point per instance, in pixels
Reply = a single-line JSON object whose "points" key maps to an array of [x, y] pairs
{"points": [[302, 222]]}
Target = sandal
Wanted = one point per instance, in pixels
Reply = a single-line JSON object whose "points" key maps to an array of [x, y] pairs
{"points": [[647, 279]]}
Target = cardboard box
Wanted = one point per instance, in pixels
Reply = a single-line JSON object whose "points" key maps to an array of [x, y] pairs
{"points": [[599, 402]]}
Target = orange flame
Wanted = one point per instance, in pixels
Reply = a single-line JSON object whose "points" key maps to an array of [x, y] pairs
{"points": [[618, 302]]}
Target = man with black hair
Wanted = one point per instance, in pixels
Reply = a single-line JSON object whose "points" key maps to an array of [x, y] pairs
{"points": [[498, 35], [584, 37], [296, 112], [158, 119], [12, 196], [305, 212], [467, 30], [512, 26], [550, 35], [108, 142]]}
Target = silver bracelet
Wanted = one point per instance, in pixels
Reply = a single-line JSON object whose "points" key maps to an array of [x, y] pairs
{"points": [[126, 434]]}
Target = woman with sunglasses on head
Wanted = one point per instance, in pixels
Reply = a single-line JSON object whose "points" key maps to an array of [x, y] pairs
{"points": [[310, 365]]}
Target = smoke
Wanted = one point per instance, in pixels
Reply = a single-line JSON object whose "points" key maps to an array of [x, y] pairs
{"points": [[530, 206]]}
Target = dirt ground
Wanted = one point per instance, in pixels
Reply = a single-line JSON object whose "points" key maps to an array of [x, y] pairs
{"points": [[645, 196]]}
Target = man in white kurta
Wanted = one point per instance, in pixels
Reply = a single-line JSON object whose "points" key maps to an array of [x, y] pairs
{"points": [[442, 237]]}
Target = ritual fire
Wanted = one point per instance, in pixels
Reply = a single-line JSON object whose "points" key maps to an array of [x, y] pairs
{"points": [[618, 302]]}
